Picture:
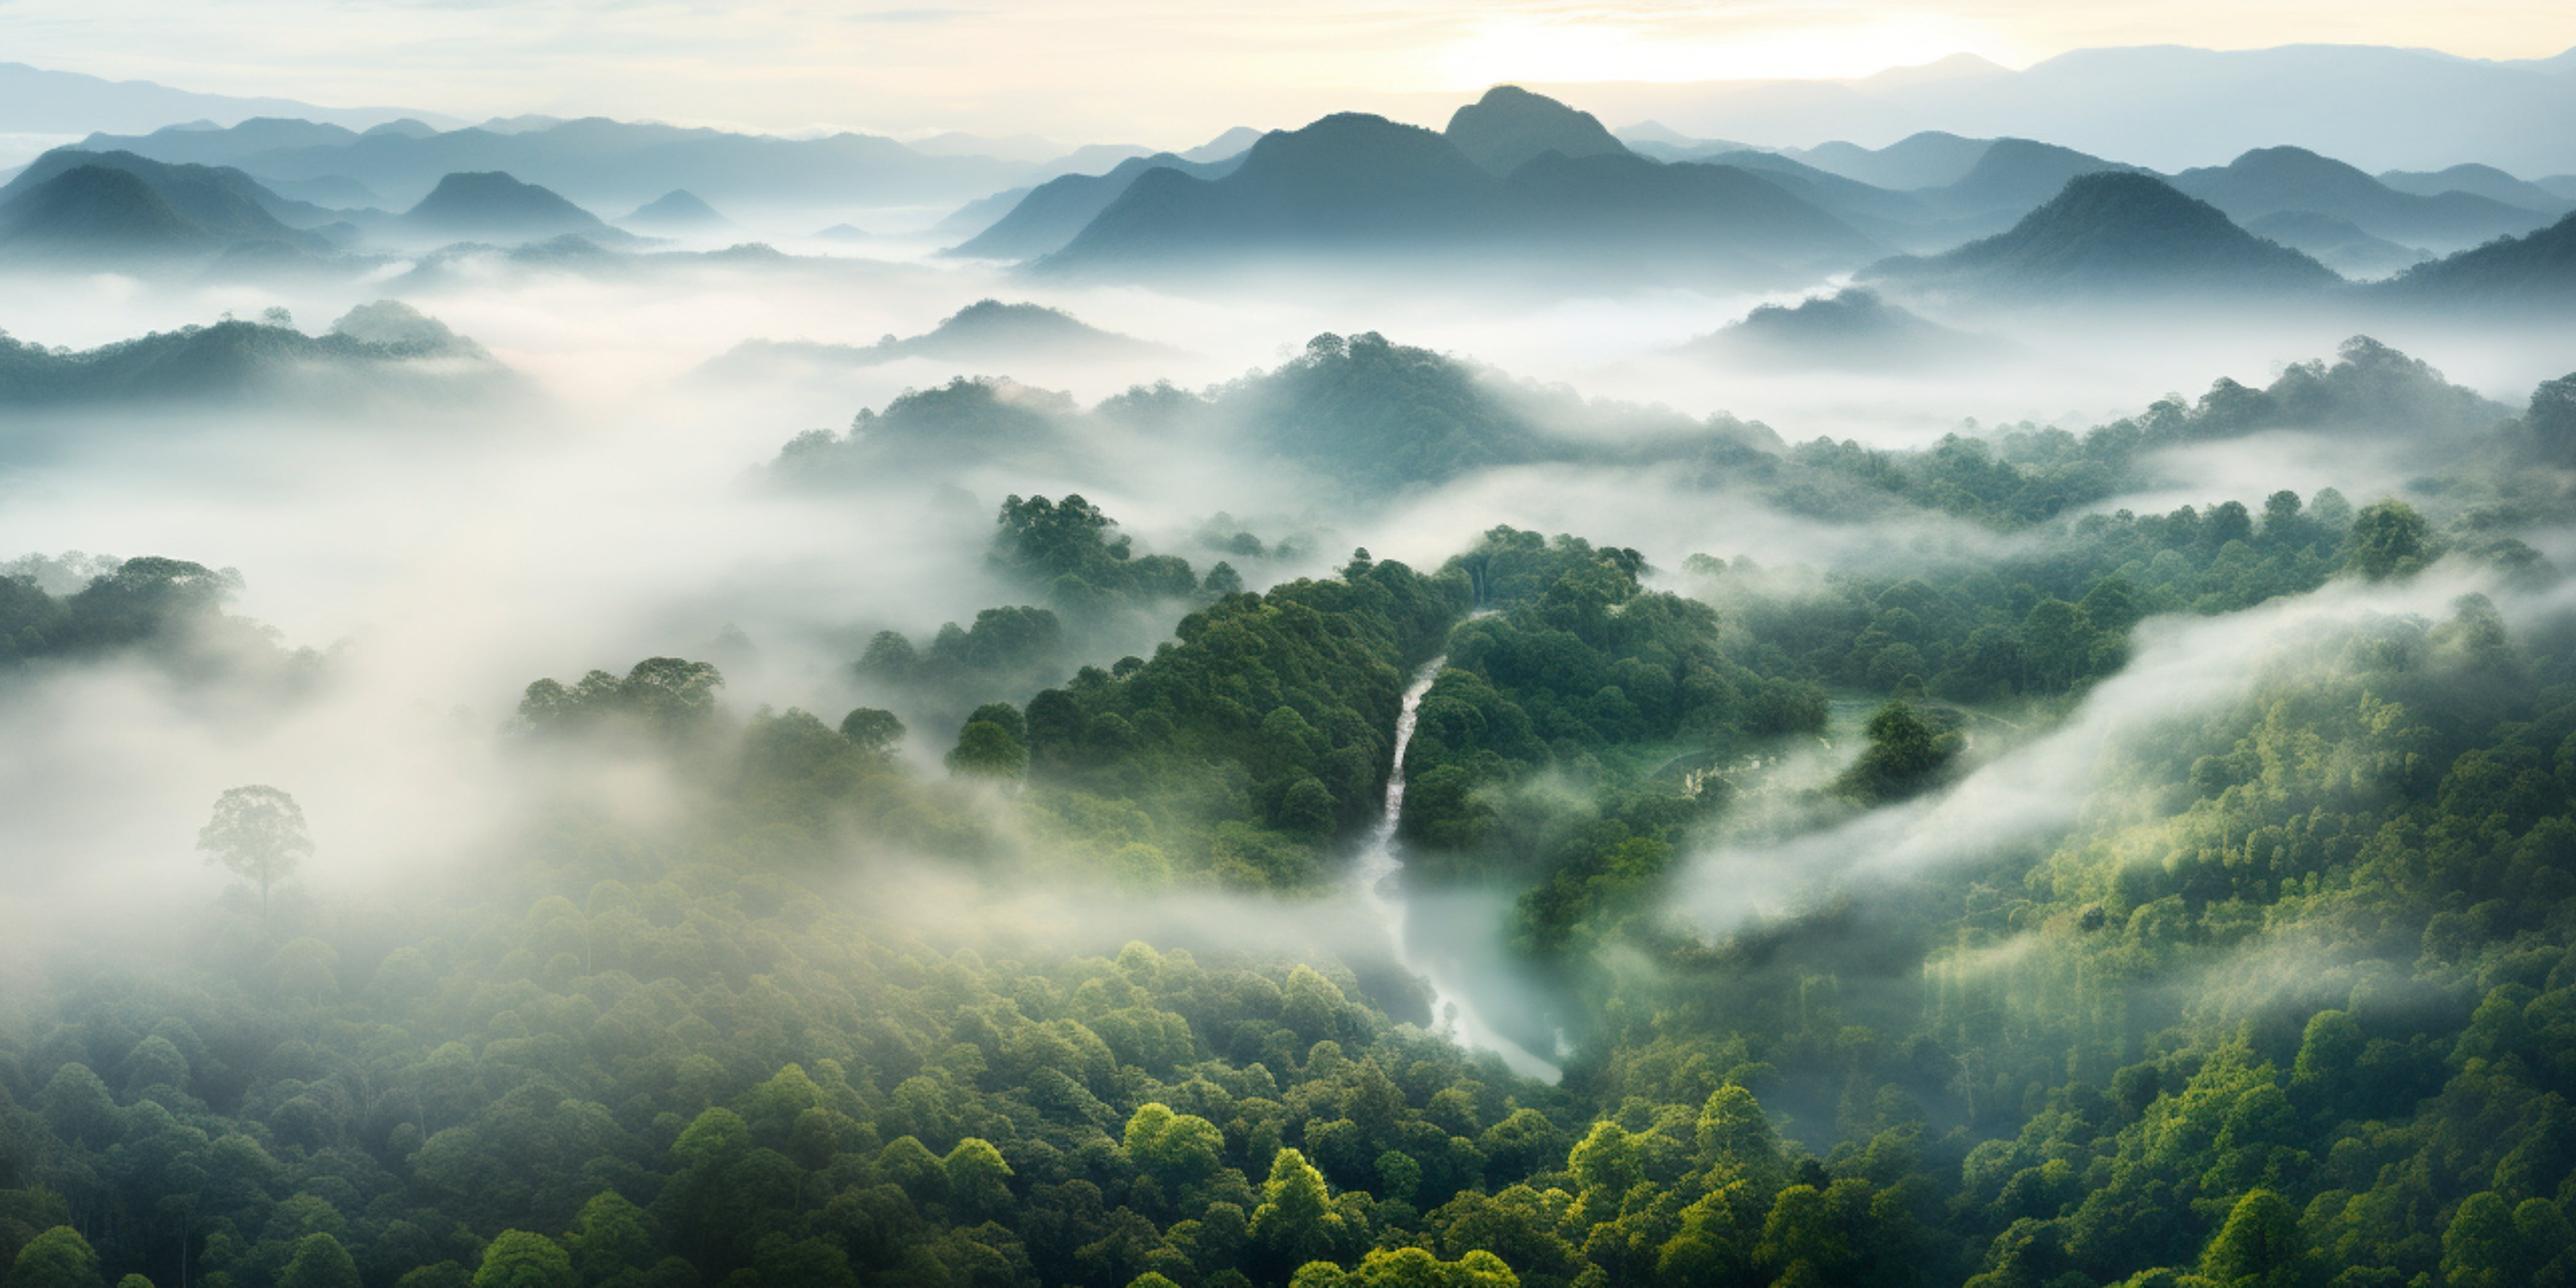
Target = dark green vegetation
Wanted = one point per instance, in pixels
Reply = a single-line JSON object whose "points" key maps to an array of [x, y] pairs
{"points": [[2282, 1004], [167, 611], [2539, 268], [374, 352]]}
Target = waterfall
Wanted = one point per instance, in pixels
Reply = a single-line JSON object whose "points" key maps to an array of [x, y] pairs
{"points": [[1379, 878]]}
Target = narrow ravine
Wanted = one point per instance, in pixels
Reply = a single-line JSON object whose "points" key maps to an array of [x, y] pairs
{"points": [[1379, 875]]}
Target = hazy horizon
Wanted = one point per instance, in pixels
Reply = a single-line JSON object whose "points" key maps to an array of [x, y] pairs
{"points": [[1091, 73]]}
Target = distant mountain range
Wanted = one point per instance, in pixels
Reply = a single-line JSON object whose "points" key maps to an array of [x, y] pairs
{"points": [[1359, 186], [101, 208], [2115, 234], [1049, 215], [36, 101], [605, 163], [2271, 180], [1520, 176], [2164, 106]]}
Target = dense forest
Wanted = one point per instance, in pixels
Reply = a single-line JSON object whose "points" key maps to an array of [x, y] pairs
{"points": [[2282, 1003]]}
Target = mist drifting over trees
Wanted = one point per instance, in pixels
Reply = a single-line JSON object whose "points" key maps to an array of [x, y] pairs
{"points": [[1510, 696]]}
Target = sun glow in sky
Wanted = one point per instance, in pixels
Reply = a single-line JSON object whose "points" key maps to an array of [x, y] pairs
{"points": [[1148, 71]]}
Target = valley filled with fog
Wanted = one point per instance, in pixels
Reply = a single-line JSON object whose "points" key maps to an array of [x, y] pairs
{"points": [[1513, 704]]}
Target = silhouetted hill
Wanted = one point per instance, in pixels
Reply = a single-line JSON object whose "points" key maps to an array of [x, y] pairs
{"points": [[385, 348], [987, 331], [1052, 213], [2117, 231], [678, 210], [94, 212], [2479, 181], [227, 203], [1854, 328], [964, 422], [2337, 243], [1347, 182], [1359, 186], [1628, 210], [1508, 126], [200, 145], [2267, 180], [2532, 269], [2013, 176], [1896, 218], [495, 205], [1224, 147], [1929, 159]]}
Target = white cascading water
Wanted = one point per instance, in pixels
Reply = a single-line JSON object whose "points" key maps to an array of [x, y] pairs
{"points": [[1379, 877]]}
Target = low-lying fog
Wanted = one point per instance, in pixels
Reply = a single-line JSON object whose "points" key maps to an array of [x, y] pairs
{"points": [[444, 558]]}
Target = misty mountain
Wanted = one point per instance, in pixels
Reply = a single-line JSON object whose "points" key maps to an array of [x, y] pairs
{"points": [[2336, 242], [2115, 231], [1853, 329], [331, 191], [1653, 139], [985, 332], [1051, 214], [2012, 177], [1509, 126], [2166, 106], [35, 101], [1899, 219], [1355, 185], [621, 164], [96, 213], [1927, 159], [2481, 181], [495, 205], [385, 348], [965, 422], [1225, 146], [679, 211], [228, 204], [2538, 268], [2268, 180], [203, 144]]}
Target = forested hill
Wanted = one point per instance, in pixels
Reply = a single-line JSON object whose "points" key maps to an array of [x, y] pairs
{"points": [[2282, 1003]]}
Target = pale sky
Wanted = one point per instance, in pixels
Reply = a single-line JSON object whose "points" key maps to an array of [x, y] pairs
{"points": [[1147, 71]]}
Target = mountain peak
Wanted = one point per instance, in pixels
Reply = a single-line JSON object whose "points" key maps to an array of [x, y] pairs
{"points": [[96, 210], [493, 202], [678, 210], [2118, 228], [1508, 126]]}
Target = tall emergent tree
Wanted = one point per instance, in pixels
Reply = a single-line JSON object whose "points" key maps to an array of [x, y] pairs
{"points": [[257, 833]]}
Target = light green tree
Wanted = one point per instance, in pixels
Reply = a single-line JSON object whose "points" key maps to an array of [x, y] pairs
{"points": [[257, 833]]}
